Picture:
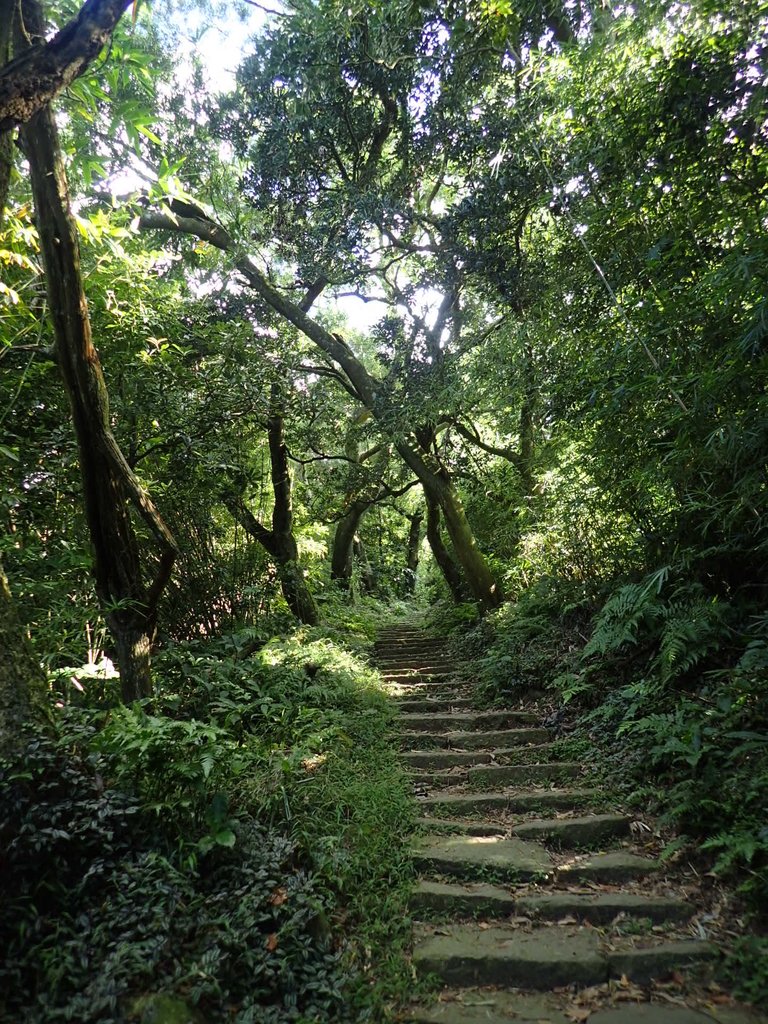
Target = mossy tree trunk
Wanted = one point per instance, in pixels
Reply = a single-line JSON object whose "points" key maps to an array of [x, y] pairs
{"points": [[109, 484]]}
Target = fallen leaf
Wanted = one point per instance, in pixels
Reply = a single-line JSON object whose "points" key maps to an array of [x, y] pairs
{"points": [[278, 897], [579, 1014], [271, 942]]}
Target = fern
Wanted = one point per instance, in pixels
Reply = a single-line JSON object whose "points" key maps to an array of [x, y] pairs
{"points": [[618, 624], [693, 628]]}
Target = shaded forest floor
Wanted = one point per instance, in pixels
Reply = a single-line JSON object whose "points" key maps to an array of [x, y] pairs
{"points": [[243, 844]]}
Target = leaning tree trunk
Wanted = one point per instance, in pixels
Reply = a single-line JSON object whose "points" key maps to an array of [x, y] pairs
{"points": [[485, 588], [129, 607], [442, 555]]}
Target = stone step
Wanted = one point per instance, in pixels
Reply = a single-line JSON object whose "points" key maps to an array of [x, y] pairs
{"points": [[440, 780], [640, 964], [510, 803], [464, 721], [448, 826], [602, 908], [496, 739], [481, 899], [425, 670], [427, 706], [410, 650], [607, 868], [496, 1006], [590, 830], [412, 678], [543, 959], [522, 774], [426, 759], [473, 856]]}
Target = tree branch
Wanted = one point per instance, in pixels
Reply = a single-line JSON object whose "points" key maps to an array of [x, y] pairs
{"points": [[40, 73]]}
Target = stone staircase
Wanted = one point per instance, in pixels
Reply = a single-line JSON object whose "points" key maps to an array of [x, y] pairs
{"points": [[528, 882]]}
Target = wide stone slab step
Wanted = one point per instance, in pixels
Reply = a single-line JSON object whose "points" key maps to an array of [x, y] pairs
{"points": [[474, 856], [641, 965], [464, 721], [607, 868], [500, 739], [544, 959], [591, 830], [602, 908], [448, 826], [445, 758], [427, 705], [474, 898], [465, 804], [495, 1006], [486, 900], [523, 774]]}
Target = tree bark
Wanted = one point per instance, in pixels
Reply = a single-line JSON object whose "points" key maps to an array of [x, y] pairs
{"points": [[130, 608], [442, 555], [22, 682], [7, 18], [40, 71], [342, 556], [412, 551], [279, 542]]}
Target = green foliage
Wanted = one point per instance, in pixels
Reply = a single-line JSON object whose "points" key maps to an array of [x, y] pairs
{"points": [[240, 843]]}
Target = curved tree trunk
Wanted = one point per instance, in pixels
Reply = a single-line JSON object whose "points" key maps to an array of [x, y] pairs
{"points": [[279, 542], [485, 588], [129, 607], [442, 555]]}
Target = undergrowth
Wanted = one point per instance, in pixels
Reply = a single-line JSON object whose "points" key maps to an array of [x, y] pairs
{"points": [[669, 679], [238, 843]]}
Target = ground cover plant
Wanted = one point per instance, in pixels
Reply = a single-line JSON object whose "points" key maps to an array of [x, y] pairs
{"points": [[215, 846]]}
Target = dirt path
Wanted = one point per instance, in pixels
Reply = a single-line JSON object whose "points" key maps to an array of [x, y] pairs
{"points": [[537, 900]]}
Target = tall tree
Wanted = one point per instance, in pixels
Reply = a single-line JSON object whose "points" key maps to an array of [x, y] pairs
{"points": [[130, 607]]}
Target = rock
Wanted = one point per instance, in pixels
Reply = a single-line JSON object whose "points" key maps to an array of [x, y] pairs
{"points": [[466, 955], [591, 830], [473, 899], [608, 868], [477, 856], [601, 908]]}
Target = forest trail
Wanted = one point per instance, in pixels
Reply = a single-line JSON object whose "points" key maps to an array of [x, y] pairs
{"points": [[537, 899]]}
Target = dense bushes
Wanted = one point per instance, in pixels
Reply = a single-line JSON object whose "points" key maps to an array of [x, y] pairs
{"points": [[210, 846]]}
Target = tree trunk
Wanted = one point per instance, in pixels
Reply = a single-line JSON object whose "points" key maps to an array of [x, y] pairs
{"points": [[279, 542], [108, 482], [41, 70], [367, 575], [7, 16], [442, 556], [342, 556], [22, 682], [412, 551], [486, 590]]}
